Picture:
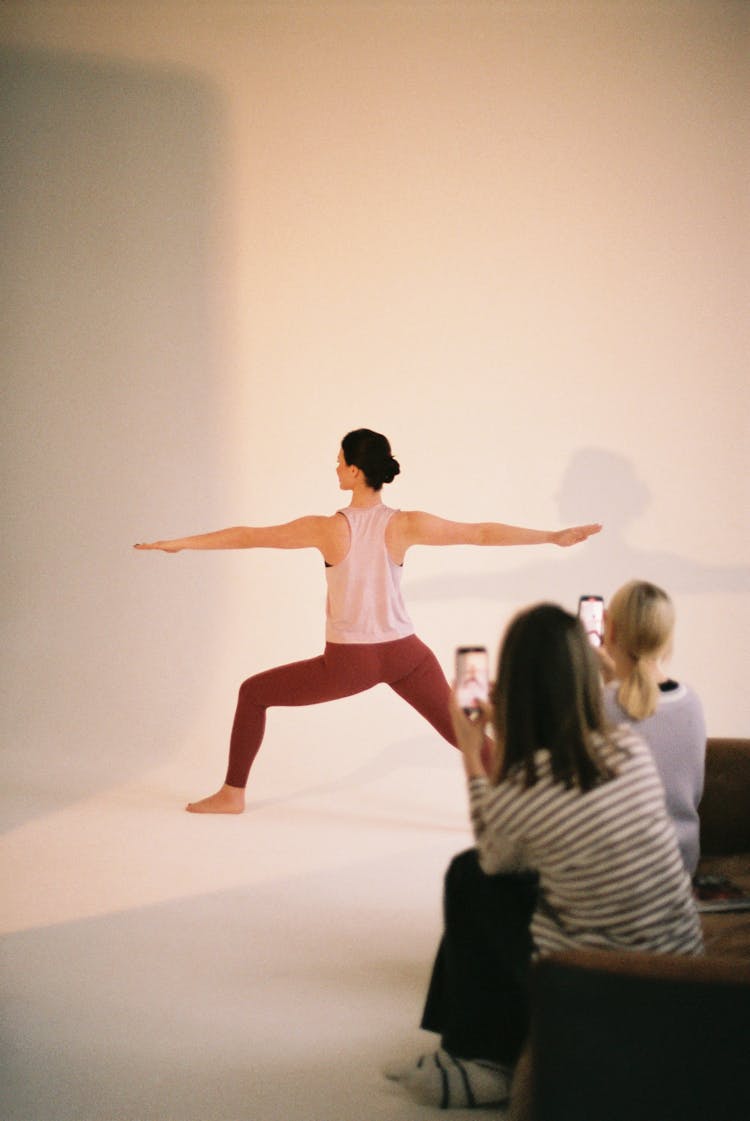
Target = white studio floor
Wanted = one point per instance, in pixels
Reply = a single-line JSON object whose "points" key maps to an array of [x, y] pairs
{"points": [[161, 966]]}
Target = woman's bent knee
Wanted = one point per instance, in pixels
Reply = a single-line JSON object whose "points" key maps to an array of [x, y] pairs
{"points": [[463, 865]]}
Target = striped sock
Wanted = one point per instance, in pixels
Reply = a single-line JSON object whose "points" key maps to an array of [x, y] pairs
{"points": [[443, 1080]]}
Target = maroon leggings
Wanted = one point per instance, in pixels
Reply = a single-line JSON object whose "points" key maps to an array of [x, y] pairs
{"points": [[407, 665]]}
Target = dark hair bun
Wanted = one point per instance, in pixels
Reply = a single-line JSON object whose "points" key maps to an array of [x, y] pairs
{"points": [[391, 468]]}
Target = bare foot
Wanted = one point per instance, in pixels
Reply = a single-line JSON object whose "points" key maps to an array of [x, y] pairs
{"points": [[228, 800]]}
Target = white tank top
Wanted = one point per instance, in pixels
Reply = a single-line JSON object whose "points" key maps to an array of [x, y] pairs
{"points": [[364, 601]]}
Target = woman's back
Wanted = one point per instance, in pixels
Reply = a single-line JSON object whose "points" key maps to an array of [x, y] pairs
{"points": [[364, 602], [676, 735], [610, 871]]}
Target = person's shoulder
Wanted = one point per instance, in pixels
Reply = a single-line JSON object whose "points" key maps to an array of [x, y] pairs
{"points": [[622, 740], [625, 735], [401, 520], [693, 705], [691, 695], [681, 695], [329, 525], [321, 521], [419, 522]]}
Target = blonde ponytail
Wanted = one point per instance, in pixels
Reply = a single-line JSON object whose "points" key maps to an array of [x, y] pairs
{"points": [[638, 693], [643, 618]]}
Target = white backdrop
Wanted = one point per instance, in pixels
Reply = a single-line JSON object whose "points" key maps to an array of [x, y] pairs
{"points": [[512, 236]]}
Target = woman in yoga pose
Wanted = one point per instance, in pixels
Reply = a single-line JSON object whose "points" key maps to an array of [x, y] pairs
{"points": [[369, 636]]}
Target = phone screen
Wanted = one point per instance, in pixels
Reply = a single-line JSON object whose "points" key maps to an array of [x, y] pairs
{"points": [[472, 677], [591, 614]]}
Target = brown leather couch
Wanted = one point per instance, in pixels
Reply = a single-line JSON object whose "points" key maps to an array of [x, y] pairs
{"points": [[725, 841], [647, 1037]]}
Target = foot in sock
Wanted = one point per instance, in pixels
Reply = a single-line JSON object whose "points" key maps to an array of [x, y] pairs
{"points": [[450, 1083]]}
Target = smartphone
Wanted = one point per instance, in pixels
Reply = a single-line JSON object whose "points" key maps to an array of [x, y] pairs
{"points": [[591, 614], [472, 678]]}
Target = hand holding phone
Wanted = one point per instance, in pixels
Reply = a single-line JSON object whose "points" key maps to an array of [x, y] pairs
{"points": [[591, 614], [472, 679]]}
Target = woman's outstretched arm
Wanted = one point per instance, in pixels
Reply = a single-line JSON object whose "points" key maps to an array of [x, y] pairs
{"points": [[417, 528], [303, 533]]}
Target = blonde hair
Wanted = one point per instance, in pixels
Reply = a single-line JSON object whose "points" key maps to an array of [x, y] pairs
{"points": [[643, 618]]}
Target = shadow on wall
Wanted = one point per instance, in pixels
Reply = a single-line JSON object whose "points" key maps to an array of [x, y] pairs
{"points": [[110, 415], [597, 484]]}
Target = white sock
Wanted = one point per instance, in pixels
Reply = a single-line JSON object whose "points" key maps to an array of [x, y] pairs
{"points": [[450, 1083]]}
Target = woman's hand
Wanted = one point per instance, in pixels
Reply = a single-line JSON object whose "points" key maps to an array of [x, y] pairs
{"points": [[574, 534], [470, 735], [164, 546]]}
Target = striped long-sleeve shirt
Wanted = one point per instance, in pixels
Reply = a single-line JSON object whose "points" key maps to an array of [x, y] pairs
{"points": [[610, 871]]}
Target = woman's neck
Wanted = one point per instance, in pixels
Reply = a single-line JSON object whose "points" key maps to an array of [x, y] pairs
{"points": [[364, 497]]}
